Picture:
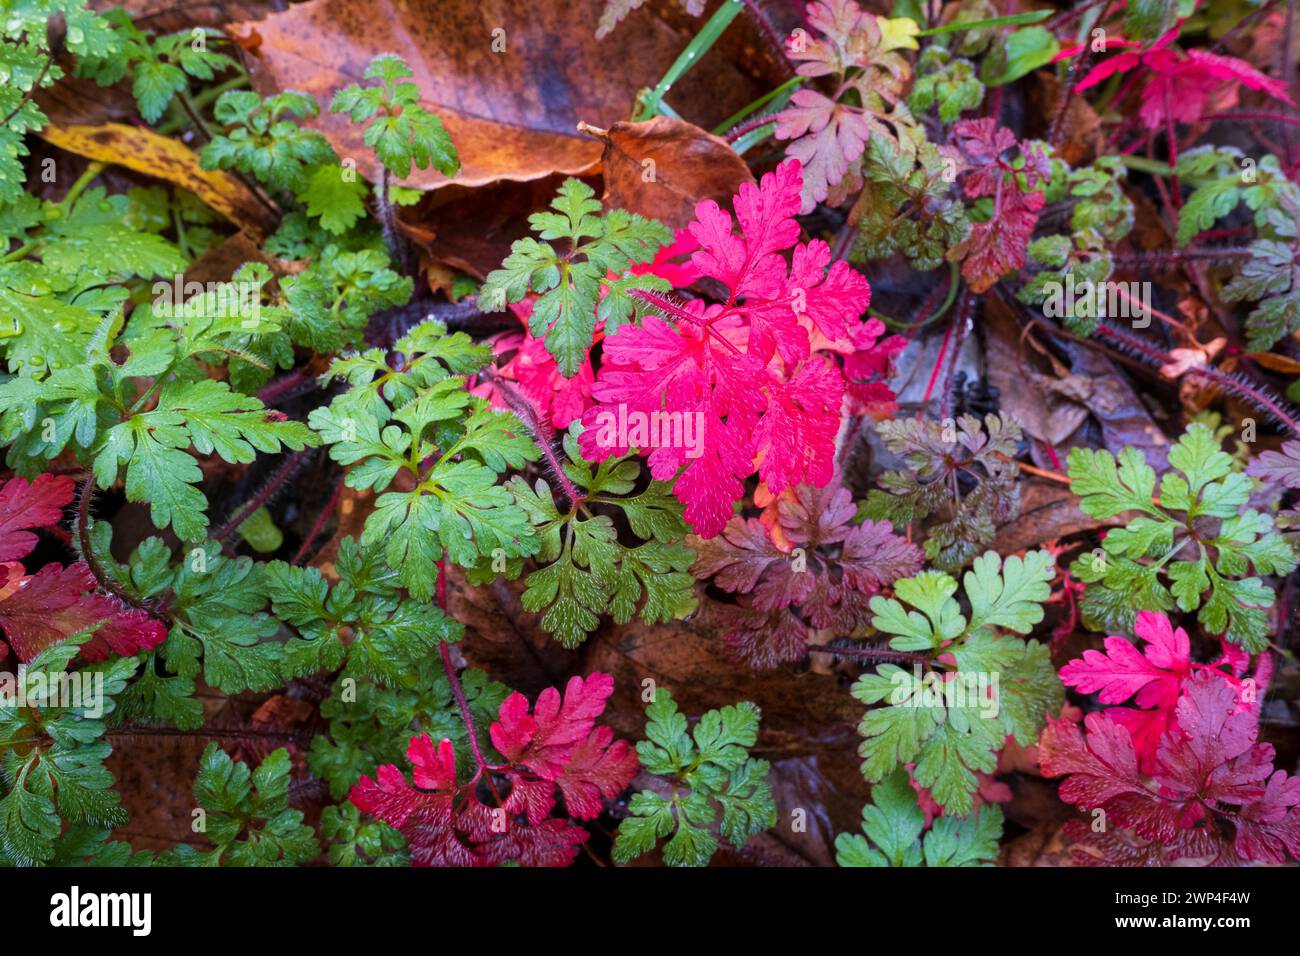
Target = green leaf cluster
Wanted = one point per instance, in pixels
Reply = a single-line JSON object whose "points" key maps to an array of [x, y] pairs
{"points": [[569, 284], [906, 205], [160, 68], [400, 131], [371, 724], [893, 826], [137, 419], [585, 569], [705, 772], [360, 624], [52, 752], [973, 684], [246, 815], [941, 457], [1198, 548], [415, 417]]}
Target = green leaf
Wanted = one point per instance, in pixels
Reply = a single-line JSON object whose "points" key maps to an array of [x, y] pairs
{"points": [[401, 131], [570, 284], [892, 821], [335, 196], [969, 842], [710, 772], [1026, 50], [1207, 570], [247, 815]]}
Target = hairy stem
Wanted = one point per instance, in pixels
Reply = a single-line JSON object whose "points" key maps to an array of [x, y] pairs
{"points": [[1178, 255], [288, 468], [85, 547], [449, 668], [1256, 116], [543, 434], [868, 654]]}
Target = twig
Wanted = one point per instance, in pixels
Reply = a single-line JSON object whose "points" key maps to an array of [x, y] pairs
{"points": [[1034, 469]]}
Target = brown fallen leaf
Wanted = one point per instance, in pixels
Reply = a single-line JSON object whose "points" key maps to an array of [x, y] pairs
{"points": [[1047, 511], [664, 167], [1123, 417], [1047, 401], [510, 78], [168, 16], [473, 228], [1275, 362], [145, 151]]}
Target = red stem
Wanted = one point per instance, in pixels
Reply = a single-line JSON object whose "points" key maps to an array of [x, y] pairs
{"points": [[264, 494], [282, 385], [749, 125], [459, 692], [542, 431], [1178, 255], [1171, 134], [319, 523], [963, 325], [938, 364]]}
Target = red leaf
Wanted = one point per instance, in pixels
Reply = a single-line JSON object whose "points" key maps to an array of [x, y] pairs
{"points": [[1268, 829], [719, 364], [1210, 772], [829, 588], [994, 248], [1154, 678], [1155, 675], [555, 750], [1181, 83], [26, 506], [796, 438], [58, 602]]}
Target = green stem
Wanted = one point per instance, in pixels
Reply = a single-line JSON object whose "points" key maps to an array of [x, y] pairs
{"points": [[18, 253], [696, 49], [954, 283], [1108, 94], [1153, 167], [212, 94], [753, 138], [196, 120], [787, 87], [1012, 20], [84, 180]]}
